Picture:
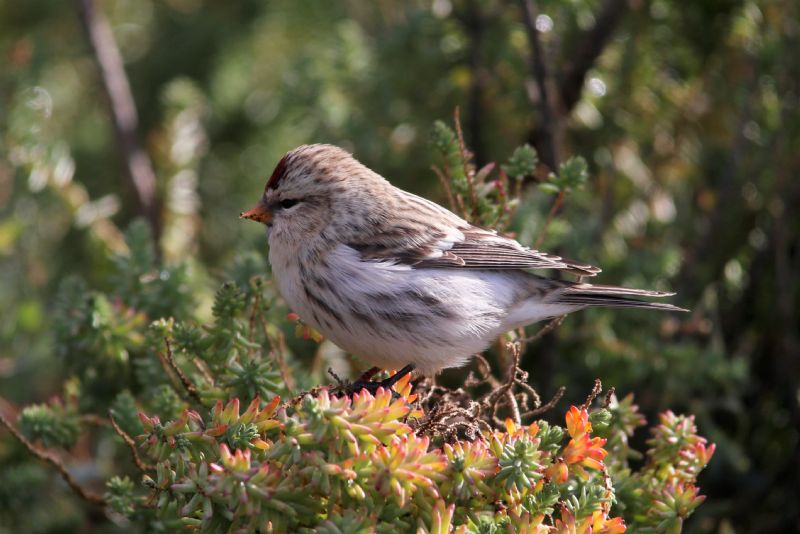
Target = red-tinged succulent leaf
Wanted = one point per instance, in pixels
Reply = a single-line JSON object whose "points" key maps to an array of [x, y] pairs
{"points": [[217, 430]]}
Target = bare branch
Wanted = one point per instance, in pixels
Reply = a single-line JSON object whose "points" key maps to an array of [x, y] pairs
{"points": [[49, 458], [549, 405], [548, 115], [552, 325], [609, 396], [591, 46], [91, 419], [131, 444], [597, 389], [168, 362], [466, 156], [123, 111]]}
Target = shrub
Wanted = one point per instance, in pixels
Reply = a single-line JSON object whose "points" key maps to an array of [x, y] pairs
{"points": [[222, 440]]}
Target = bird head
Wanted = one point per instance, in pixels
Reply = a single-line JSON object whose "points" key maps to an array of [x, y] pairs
{"points": [[316, 188]]}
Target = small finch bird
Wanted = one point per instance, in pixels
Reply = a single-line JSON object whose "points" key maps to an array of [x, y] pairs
{"points": [[398, 280]]}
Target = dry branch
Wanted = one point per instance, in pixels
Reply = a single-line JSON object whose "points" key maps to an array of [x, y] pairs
{"points": [[131, 445], [549, 118], [123, 111], [47, 457], [592, 44]]}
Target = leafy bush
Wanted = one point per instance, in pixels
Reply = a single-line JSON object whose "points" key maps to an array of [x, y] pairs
{"points": [[421, 458], [333, 464]]}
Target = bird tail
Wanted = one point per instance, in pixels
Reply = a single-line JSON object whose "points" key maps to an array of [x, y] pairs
{"points": [[620, 297]]}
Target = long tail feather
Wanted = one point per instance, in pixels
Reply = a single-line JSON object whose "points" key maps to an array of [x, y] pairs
{"points": [[598, 295]]}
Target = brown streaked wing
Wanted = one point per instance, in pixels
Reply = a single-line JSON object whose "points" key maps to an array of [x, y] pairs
{"points": [[480, 249]]}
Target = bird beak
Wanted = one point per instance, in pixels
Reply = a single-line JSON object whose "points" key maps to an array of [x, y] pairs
{"points": [[260, 213]]}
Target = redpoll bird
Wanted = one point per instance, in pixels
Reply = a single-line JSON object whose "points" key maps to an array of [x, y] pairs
{"points": [[398, 280]]}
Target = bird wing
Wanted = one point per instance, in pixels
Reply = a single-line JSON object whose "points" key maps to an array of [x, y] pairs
{"points": [[466, 247]]}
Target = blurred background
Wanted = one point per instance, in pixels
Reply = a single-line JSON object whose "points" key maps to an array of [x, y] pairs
{"points": [[176, 111]]}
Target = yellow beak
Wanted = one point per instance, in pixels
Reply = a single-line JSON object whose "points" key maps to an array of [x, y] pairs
{"points": [[260, 213]]}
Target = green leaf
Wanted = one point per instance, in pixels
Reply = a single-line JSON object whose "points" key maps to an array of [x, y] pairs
{"points": [[522, 162]]}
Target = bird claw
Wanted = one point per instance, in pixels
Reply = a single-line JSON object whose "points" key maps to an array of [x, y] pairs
{"points": [[364, 383]]}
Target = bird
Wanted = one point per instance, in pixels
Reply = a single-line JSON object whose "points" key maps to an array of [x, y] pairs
{"points": [[400, 281]]}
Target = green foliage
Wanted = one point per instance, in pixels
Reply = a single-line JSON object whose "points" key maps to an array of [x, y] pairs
{"points": [[146, 287], [120, 496], [687, 120], [308, 464], [572, 174], [53, 425], [522, 162]]}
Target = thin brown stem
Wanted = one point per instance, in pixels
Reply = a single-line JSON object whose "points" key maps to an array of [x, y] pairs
{"points": [[609, 397], [123, 111], [550, 216], [91, 419], [549, 327], [549, 405], [168, 362], [47, 457], [279, 349], [465, 159], [202, 368], [451, 201], [144, 467], [597, 389]]}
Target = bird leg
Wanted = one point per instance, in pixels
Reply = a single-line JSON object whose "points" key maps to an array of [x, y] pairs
{"points": [[372, 387], [367, 375]]}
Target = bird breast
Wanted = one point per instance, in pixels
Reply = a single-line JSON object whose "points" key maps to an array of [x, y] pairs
{"points": [[390, 314]]}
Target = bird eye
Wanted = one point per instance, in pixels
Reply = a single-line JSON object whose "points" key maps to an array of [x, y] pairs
{"points": [[287, 203]]}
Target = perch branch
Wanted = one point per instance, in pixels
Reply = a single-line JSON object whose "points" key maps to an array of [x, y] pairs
{"points": [[47, 457]]}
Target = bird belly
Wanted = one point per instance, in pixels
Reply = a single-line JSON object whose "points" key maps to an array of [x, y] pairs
{"points": [[392, 315]]}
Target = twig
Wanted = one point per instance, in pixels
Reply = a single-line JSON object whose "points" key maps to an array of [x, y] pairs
{"points": [[586, 53], [513, 406], [201, 367], [451, 201], [123, 111], [91, 419], [279, 349], [550, 216], [493, 400], [486, 374], [550, 120], [465, 157], [597, 389], [251, 321], [45, 456], [552, 325], [168, 361], [609, 396], [131, 445], [549, 405]]}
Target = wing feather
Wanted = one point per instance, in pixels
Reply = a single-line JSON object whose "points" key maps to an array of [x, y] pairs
{"points": [[465, 247]]}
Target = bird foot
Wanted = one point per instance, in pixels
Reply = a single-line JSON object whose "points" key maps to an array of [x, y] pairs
{"points": [[364, 382]]}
